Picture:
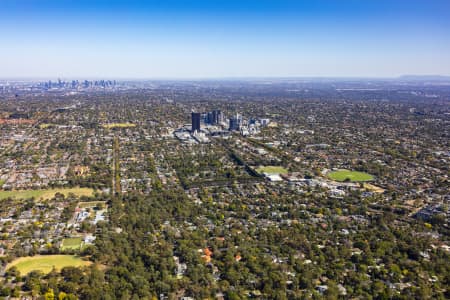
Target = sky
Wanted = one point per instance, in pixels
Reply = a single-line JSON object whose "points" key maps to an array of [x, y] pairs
{"points": [[223, 38]]}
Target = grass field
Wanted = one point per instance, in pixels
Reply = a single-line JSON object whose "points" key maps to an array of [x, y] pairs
{"points": [[45, 263], [91, 204], [354, 176], [272, 170], [118, 125], [72, 243], [45, 194], [1, 182], [45, 125], [373, 188]]}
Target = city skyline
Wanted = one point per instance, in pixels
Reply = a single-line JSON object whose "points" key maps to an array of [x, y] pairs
{"points": [[201, 39]]}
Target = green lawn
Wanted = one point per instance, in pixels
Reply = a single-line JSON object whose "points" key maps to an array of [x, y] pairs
{"points": [[74, 243], [272, 170], [45, 263], [91, 204], [354, 176], [45, 194], [45, 125], [118, 125]]}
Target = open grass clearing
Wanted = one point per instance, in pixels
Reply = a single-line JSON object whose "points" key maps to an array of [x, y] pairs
{"points": [[45, 125], [373, 188], [118, 125], [45, 263], [74, 243], [91, 204], [347, 175], [45, 194], [272, 170]]}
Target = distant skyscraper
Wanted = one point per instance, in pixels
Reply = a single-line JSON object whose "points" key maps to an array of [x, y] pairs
{"points": [[209, 118], [216, 117], [213, 117], [196, 121], [235, 122]]}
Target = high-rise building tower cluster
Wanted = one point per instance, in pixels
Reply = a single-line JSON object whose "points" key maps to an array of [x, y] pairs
{"points": [[214, 125], [214, 117], [236, 122]]}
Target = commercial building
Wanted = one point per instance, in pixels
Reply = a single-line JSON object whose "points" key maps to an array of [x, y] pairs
{"points": [[195, 121], [213, 117], [216, 117], [235, 122]]}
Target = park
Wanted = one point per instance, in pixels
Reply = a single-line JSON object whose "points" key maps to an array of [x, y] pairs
{"points": [[45, 194], [347, 175], [46, 263]]}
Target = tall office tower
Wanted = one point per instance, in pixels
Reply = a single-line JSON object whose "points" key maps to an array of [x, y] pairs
{"points": [[216, 117], [235, 122], [196, 121], [210, 118]]}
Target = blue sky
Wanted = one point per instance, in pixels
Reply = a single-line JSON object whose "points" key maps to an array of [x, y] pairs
{"points": [[216, 38]]}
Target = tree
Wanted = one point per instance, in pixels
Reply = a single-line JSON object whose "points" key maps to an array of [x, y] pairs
{"points": [[49, 295], [12, 272], [6, 291], [233, 295], [62, 296], [332, 292], [16, 292]]}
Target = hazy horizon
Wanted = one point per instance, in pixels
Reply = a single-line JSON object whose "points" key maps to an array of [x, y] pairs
{"points": [[411, 77], [224, 39]]}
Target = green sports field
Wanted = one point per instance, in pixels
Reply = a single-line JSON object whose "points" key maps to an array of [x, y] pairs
{"points": [[272, 170], [91, 204], [118, 125], [74, 243], [45, 125], [354, 176], [45, 194], [45, 263]]}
